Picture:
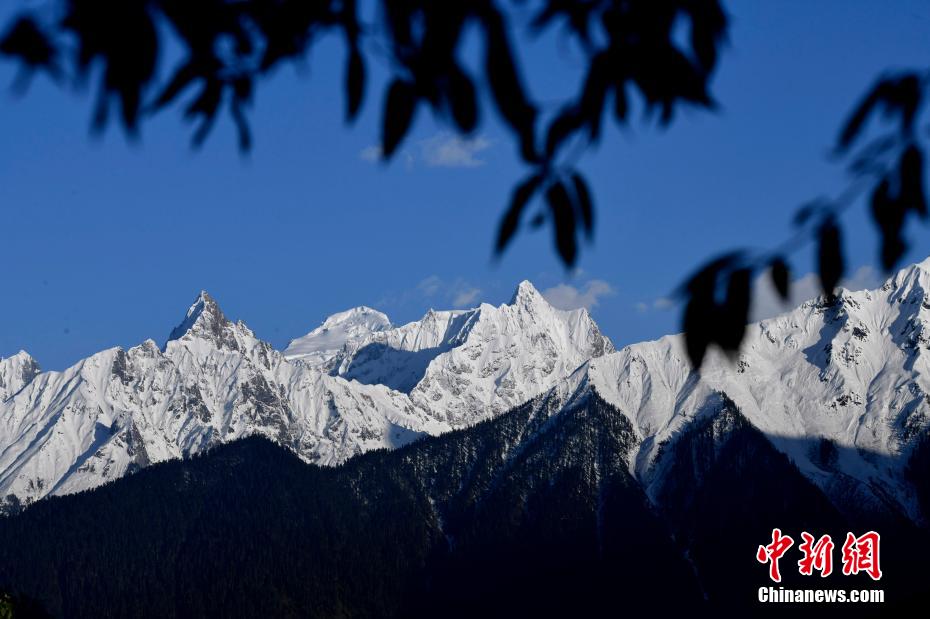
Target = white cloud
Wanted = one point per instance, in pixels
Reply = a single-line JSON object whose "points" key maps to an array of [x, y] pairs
{"points": [[371, 153], [447, 150], [564, 296], [430, 286], [663, 303], [766, 303], [443, 150], [459, 293], [465, 297]]}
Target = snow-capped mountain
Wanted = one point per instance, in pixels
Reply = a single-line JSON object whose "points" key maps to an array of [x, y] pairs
{"points": [[319, 347], [466, 366], [213, 381], [16, 372], [841, 387]]}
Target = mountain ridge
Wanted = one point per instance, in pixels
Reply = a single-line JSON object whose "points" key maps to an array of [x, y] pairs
{"points": [[214, 381]]}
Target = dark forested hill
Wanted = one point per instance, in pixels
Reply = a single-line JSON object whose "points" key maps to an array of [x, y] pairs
{"points": [[531, 514]]}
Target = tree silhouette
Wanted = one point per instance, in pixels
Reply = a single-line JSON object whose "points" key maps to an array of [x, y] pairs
{"points": [[633, 57]]}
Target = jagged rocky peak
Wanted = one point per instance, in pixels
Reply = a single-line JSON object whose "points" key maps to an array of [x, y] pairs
{"points": [[16, 372], [205, 320]]}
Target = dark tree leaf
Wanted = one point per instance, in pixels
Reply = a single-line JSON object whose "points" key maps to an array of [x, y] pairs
{"points": [[205, 105], [780, 277], [585, 204], [621, 106], [26, 41], [708, 29], [563, 218], [860, 114], [888, 213], [355, 83], [829, 256], [463, 100], [538, 220], [868, 160], [506, 86], [182, 78], [594, 93], [732, 328], [702, 313], [561, 128], [912, 180], [807, 211], [242, 125], [899, 94], [511, 219], [398, 115]]}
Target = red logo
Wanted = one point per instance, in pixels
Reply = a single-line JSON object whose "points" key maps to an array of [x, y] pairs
{"points": [[817, 556], [860, 554], [773, 552]]}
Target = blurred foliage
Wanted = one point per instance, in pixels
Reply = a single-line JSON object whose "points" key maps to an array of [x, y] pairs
{"points": [[630, 46], [659, 54]]}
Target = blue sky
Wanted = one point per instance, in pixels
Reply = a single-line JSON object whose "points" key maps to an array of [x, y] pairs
{"points": [[106, 242]]}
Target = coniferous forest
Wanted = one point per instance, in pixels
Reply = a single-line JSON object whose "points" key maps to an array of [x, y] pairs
{"points": [[524, 515]]}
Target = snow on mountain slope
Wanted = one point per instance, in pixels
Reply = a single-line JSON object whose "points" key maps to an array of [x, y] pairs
{"points": [[848, 378], [467, 366], [213, 382], [841, 387], [352, 385], [15, 372], [319, 347]]}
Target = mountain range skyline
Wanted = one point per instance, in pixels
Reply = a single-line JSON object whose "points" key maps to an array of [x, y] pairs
{"points": [[358, 383]]}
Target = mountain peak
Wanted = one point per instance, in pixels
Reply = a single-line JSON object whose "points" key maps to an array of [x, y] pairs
{"points": [[322, 344], [362, 314], [16, 371], [204, 317], [526, 293]]}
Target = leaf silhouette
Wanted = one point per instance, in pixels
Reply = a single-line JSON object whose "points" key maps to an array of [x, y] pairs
{"points": [[398, 115], [912, 180], [829, 256], [561, 128], [463, 100], [901, 94], [181, 79], [857, 119], [594, 93], [26, 41], [560, 205], [703, 315], [522, 194], [888, 213], [205, 105], [585, 204], [732, 327], [355, 84], [621, 105], [506, 87]]}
